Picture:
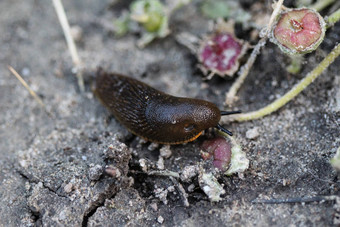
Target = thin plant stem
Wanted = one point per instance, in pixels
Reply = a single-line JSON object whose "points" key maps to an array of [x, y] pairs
{"points": [[69, 40], [23, 82], [329, 59], [231, 95], [321, 4], [167, 173], [276, 12], [333, 18], [244, 71]]}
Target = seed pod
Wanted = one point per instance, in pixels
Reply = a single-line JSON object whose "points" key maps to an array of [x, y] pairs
{"points": [[299, 31]]}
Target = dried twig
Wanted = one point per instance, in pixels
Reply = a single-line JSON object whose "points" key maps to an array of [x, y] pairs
{"points": [[166, 173], [243, 73], [181, 191], [70, 42], [23, 82]]}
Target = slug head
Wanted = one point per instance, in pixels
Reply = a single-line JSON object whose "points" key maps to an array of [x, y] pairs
{"points": [[182, 120], [202, 115]]}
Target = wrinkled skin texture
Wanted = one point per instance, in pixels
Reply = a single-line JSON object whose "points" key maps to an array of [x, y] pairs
{"points": [[154, 115]]}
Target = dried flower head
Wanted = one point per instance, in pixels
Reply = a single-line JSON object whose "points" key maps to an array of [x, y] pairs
{"points": [[220, 52], [299, 31]]}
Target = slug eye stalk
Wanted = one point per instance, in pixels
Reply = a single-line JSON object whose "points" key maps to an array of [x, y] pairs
{"points": [[219, 127], [223, 113]]}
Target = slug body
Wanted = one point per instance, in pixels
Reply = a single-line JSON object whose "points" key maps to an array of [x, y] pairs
{"points": [[152, 114]]}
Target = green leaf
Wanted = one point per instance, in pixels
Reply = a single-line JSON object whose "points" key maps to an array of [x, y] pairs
{"points": [[121, 25], [215, 9]]}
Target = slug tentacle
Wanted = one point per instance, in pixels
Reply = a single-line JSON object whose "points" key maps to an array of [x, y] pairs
{"points": [[152, 114]]}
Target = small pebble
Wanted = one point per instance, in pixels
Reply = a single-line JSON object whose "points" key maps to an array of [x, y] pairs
{"points": [[115, 148], [188, 173], [95, 172], [131, 181], [76, 33], [191, 188], [153, 146], [161, 194], [27, 186], [112, 171], [165, 151], [25, 72], [171, 188], [252, 133], [68, 187], [23, 163], [143, 165], [154, 206], [204, 85], [160, 163], [160, 219]]}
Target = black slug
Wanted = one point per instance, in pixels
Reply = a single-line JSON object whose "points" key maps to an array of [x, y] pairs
{"points": [[154, 115]]}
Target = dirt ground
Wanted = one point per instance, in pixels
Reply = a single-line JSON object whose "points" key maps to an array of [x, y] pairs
{"points": [[51, 169]]}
